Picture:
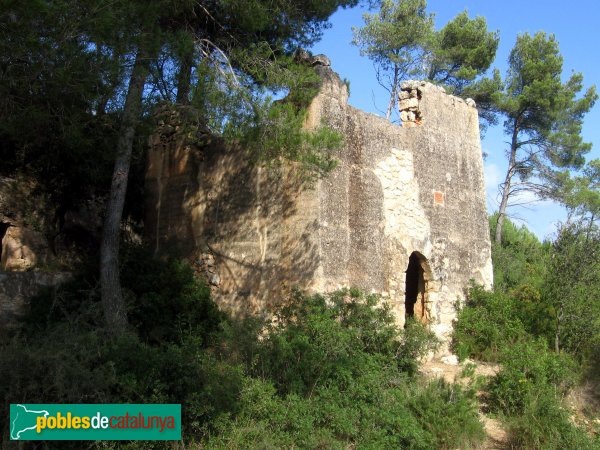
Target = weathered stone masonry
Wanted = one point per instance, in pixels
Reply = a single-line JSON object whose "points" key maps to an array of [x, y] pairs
{"points": [[398, 191]]}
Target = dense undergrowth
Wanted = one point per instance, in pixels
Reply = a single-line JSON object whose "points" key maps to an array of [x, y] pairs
{"points": [[329, 372], [541, 324], [324, 371]]}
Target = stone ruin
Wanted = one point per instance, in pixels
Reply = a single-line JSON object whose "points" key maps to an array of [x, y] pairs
{"points": [[402, 215], [24, 249]]}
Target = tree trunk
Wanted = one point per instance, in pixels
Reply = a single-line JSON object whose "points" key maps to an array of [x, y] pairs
{"points": [[507, 185], [557, 335], [393, 96], [115, 313], [502, 209], [184, 78]]}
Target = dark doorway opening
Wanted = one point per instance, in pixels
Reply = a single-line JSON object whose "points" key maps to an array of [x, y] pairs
{"points": [[415, 296]]}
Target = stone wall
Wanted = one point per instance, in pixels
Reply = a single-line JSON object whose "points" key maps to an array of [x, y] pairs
{"points": [[397, 190], [27, 250], [22, 245]]}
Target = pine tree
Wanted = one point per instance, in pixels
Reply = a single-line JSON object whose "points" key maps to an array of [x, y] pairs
{"points": [[396, 39], [543, 119], [401, 41], [461, 51]]}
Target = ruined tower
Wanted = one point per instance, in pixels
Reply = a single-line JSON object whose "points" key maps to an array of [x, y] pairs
{"points": [[403, 214]]}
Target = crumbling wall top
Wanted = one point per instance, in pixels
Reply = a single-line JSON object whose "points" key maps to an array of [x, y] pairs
{"points": [[410, 96]]}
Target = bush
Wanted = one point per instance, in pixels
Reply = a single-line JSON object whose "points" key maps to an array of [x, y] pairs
{"points": [[527, 393], [528, 368], [166, 302], [316, 340], [448, 412], [571, 290], [520, 260], [380, 409], [335, 372], [417, 341], [488, 323], [63, 354], [544, 424], [328, 372], [66, 365]]}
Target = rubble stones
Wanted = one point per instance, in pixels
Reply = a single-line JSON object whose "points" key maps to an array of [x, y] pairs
{"points": [[408, 102]]}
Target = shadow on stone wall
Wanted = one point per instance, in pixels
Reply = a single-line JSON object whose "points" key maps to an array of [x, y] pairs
{"points": [[249, 230]]}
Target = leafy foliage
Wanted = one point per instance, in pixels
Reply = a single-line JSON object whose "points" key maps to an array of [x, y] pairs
{"points": [[581, 193], [528, 368], [462, 50], [546, 290], [318, 341], [328, 371], [520, 260], [50, 85], [488, 323], [395, 39], [401, 41], [394, 36], [571, 289], [332, 373], [372, 414], [167, 303], [518, 323], [527, 392], [79, 78]]}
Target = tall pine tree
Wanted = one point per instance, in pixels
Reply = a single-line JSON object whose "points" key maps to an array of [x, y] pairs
{"points": [[543, 119]]}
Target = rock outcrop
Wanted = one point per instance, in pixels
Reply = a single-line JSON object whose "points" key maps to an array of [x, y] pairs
{"points": [[18, 288], [22, 245]]}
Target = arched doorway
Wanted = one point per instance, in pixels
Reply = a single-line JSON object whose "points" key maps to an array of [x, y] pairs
{"points": [[415, 293]]}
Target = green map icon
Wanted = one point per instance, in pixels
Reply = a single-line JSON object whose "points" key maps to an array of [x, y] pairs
{"points": [[22, 420]]}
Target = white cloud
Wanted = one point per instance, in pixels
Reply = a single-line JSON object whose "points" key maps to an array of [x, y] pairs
{"points": [[492, 178], [525, 198], [492, 175]]}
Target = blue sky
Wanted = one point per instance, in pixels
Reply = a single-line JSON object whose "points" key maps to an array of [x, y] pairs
{"points": [[576, 26]]}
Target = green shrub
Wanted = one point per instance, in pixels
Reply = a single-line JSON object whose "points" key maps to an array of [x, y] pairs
{"points": [[417, 341], [527, 393], [335, 372], [544, 424], [488, 323], [317, 340], [448, 412], [378, 410], [166, 302], [329, 372], [63, 354], [66, 365], [520, 260], [529, 368], [571, 290]]}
